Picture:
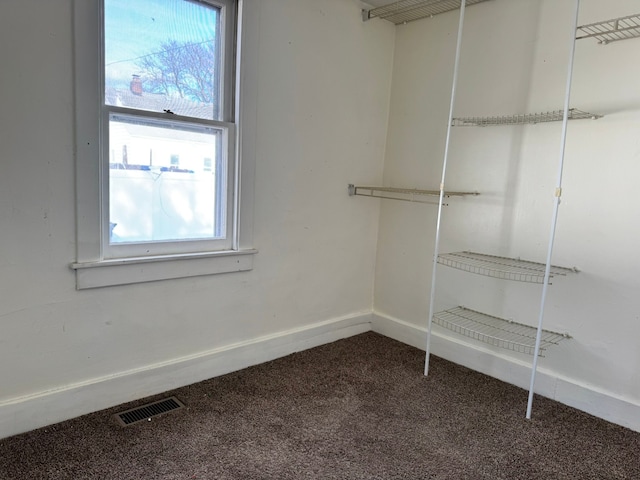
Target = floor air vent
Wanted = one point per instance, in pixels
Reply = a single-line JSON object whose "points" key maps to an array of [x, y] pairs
{"points": [[146, 412]]}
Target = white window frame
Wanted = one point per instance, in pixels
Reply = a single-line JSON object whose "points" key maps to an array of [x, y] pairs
{"points": [[94, 265]]}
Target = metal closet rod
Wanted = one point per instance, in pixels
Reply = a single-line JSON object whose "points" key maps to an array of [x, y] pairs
{"points": [[402, 194]]}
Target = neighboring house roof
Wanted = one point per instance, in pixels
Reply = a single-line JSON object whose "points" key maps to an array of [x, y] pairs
{"points": [[156, 102]]}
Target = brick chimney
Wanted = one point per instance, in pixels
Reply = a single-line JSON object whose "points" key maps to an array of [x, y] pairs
{"points": [[136, 85]]}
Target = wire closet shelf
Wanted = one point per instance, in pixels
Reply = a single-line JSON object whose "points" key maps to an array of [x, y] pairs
{"points": [[623, 28], [504, 268], [406, 11], [496, 331], [523, 119], [501, 267]]}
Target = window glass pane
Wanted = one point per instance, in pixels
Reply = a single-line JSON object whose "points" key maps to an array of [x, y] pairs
{"points": [[163, 55], [161, 186]]}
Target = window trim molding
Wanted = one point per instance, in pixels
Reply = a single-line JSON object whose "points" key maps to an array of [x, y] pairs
{"points": [[124, 271], [91, 268]]}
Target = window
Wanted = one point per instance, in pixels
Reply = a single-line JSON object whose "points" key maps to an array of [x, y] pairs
{"points": [[160, 100]]}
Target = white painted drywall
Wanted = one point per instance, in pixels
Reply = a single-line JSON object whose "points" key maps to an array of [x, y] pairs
{"points": [[317, 83], [514, 61]]}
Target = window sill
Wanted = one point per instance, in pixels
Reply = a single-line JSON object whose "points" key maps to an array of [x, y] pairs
{"points": [[124, 271]]}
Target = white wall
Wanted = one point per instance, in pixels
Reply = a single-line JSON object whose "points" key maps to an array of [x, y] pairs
{"points": [[514, 61], [316, 87]]}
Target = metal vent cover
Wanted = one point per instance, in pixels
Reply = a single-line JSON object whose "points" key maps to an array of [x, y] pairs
{"points": [[146, 412]]}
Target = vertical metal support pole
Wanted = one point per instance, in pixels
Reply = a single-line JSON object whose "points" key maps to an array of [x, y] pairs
{"points": [[554, 219], [463, 4]]}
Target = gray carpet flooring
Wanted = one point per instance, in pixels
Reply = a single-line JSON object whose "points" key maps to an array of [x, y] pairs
{"points": [[358, 408]]}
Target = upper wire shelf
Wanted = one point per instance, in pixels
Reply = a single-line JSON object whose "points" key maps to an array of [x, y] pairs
{"points": [[406, 11], [613, 30], [496, 331], [501, 267], [523, 119], [404, 194]]}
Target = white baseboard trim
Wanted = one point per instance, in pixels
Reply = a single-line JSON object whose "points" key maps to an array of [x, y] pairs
{"points": [[587, 398], [29, 412], [26, 413]]}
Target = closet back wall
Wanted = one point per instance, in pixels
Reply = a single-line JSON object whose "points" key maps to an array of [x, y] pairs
{"points": [[514, 60]]}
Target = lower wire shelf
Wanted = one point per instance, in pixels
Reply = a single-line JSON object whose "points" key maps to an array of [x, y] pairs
{"points": [[496, 331]]}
